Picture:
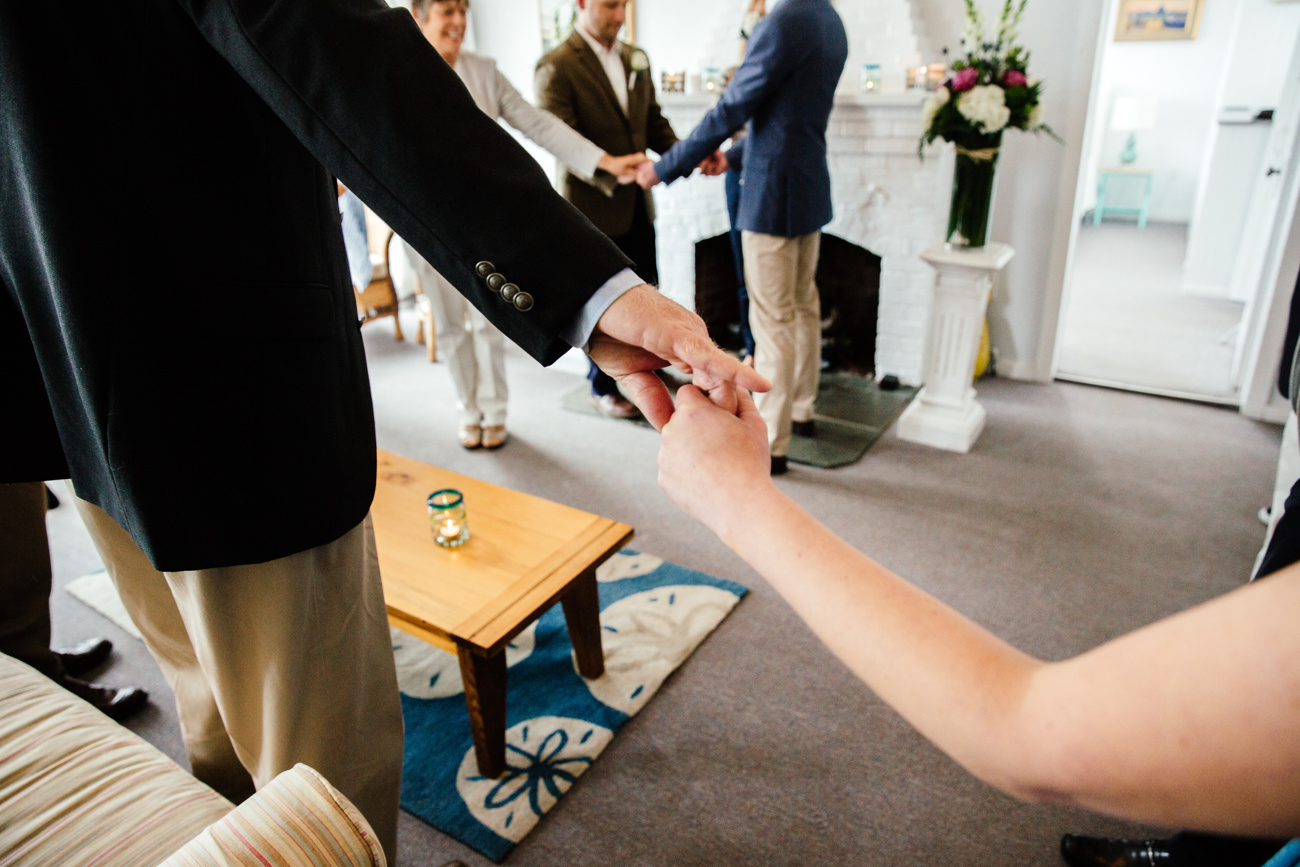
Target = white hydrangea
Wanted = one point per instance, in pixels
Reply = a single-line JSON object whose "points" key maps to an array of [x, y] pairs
{"points": [[932, 105], [1035, 117], [986, 107]]}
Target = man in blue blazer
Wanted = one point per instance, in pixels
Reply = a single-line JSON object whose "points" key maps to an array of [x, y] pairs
{"points": [[783, 92]]}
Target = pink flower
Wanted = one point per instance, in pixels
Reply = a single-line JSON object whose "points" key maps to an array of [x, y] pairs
{"points": [[1014, 78], [965, 79]]}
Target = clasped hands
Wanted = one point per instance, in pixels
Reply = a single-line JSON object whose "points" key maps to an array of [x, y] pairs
{"points": [[640, 169], [714, 441]]}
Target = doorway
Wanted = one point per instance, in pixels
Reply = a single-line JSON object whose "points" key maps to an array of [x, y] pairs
{"points": [[1176, 136]]}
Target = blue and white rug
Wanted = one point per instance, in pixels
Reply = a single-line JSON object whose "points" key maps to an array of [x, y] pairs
{"points": [[653, 615]]}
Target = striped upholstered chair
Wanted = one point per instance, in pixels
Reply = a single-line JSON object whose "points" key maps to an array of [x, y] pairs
{"points": [[78, 789]]}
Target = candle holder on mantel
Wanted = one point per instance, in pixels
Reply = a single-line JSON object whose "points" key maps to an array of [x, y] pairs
{"points": [[945, 413], [447, 518]]}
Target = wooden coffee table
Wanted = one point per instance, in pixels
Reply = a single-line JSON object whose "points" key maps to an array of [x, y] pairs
{"points": [[524, 553]]}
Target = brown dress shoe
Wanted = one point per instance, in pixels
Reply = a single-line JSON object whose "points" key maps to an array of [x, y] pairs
{"points": [[116, 702], [615, 406], [494, 436], [81, 658]]}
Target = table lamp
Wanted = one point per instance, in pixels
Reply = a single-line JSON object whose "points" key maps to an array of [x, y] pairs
{"points": [[1133, 114]]}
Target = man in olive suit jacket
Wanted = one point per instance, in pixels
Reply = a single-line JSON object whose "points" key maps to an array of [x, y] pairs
{"points": [[602, 88], [213, 409]]}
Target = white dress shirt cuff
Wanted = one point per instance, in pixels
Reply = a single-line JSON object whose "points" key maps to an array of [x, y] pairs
{"points": [[579, 333]]}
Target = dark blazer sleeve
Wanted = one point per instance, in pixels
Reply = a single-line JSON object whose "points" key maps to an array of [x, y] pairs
{"points": [[768, 62], [441, 173]]}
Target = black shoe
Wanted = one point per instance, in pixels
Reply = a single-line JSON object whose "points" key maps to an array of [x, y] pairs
{"points": [[116, 702], [51, 501], [779, 465], [1080, 851], [81, 658], [804, 428]]}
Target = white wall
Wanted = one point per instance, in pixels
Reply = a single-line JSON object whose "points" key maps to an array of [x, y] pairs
{"points": [[1183, 77]]}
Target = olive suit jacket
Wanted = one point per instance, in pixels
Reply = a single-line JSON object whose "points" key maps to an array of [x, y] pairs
{"points": [[571, 84], [178, 331]]}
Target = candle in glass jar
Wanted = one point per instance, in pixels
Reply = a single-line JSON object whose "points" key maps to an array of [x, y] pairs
{"points": [[447, 518]]}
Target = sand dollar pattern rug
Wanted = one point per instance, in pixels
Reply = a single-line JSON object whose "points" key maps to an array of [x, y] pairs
{"points": [[653, 616]]}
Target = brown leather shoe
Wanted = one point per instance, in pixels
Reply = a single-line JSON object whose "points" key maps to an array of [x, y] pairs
{"points": [[82, 657], [116, 702], [494, 436], [615, 406]]}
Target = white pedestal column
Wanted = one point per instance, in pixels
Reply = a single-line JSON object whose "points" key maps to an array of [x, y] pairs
{"points": [[945, 413]]}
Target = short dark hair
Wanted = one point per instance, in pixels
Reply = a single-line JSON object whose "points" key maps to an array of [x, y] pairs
{"points": [[421, 7]]}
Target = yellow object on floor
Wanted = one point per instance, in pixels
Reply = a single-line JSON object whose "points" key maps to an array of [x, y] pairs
{"points": [[982, 354]]}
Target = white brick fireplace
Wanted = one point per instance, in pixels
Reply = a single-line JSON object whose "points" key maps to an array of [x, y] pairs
{"points": [[886, 199]]}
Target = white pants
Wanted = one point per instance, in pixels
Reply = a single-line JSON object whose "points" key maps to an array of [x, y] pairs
{"points": [[473, 347], [273, 664], [785, 316]]}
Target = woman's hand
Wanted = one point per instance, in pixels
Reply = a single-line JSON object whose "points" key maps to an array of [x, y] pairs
{"points": [[714, 464]]}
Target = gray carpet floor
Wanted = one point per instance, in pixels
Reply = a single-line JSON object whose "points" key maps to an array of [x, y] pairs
{"points": [[1129, 322], [1081, 513]]}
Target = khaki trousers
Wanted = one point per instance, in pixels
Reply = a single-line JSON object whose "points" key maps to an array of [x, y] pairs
{"points": [[785, 316], [26, 579], [475, 351], [273, 664]]}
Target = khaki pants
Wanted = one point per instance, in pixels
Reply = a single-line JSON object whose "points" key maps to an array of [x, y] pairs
{"points": [[273, 664], [26, 579], [785, 316], [473, 348]]}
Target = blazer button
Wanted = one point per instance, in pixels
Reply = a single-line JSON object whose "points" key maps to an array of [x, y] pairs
{"points": [[509, 291], [523, 302], [484, 268], [495, 281]]}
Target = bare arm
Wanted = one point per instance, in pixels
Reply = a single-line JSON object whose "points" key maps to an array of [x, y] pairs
{"points": [[1193, 721]]}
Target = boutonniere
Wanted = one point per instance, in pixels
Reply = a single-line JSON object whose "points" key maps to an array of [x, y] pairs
{"points": [[640, 63]]}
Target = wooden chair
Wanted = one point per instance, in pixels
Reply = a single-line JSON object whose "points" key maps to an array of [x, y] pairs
{"points": [[379, 298]]}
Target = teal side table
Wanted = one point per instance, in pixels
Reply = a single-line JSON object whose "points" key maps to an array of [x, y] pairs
{"points": [[1103, 180]]}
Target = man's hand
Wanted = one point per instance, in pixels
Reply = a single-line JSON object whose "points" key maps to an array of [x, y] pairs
{"points": [[624, 167], [646, 176], [643, 331], [714, 164]]}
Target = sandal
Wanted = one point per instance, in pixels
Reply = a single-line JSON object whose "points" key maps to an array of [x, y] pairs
{"points": [[494, 436], [471, 437]]}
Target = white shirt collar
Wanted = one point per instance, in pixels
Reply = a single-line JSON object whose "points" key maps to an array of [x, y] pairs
{"points": [[601, 50]]}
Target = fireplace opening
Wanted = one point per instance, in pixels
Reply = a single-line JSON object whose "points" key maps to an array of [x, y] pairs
{"points": [[848, 281]]}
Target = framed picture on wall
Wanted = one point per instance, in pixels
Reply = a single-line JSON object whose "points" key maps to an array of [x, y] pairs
{"points": [[1158, 19]]}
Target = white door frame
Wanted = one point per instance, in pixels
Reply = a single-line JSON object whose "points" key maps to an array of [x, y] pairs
{"points": [[1270, 262], [1069, 207]]}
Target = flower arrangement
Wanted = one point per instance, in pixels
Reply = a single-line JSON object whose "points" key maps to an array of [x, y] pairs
{"points": [[989, 91]]}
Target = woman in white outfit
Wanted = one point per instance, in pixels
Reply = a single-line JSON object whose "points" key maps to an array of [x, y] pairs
{"points": [[473, 348]]}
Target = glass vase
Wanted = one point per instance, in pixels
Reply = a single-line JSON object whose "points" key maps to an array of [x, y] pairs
{"points": [[972, 197]]}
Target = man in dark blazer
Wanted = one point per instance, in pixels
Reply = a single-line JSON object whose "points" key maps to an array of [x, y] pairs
{"points": [[213, 409], [602, 88], [783, 93]]}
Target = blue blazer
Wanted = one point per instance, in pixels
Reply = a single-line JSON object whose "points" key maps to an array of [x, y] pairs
{"points": [[784, 91]]}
